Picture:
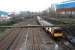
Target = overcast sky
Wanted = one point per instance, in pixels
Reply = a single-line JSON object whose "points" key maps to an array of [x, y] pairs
{"points": [[26, 5]]}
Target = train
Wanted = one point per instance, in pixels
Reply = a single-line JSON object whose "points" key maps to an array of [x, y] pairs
{"points": [[54, 32]]}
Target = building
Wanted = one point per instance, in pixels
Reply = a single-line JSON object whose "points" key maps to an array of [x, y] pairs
{"points": [[4, 16], [2, 13], [66, 8]]}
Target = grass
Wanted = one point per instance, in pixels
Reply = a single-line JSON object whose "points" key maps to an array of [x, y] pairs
{"points": [[67, 22], [6, 24]]}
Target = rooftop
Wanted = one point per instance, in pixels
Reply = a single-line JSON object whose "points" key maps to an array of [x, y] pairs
{"points": [[69, 4]]}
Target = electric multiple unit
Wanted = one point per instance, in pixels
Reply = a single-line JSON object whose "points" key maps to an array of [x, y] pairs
{"points": [[55, 32]]}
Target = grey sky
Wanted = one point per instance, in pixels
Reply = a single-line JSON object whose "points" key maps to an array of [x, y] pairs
{"points": [[26, 5]]}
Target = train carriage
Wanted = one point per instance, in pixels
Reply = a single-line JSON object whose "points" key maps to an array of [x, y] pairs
{"points": [[54, 32]]}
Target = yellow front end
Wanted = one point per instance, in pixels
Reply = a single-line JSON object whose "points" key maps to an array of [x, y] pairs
{"points": [[58, 34]]}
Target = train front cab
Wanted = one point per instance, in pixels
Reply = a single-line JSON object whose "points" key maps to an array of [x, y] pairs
{"points": [[57, 34]]}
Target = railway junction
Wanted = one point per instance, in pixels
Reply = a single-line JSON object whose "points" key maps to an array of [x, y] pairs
{"points": [[31, 38], [46, 29]]}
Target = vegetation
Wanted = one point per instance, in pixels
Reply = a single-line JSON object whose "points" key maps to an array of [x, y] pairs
{"points": [[22, 16], [6, 24]]}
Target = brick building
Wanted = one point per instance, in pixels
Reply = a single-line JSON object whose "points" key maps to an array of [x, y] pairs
{"points": [[66, 8]]}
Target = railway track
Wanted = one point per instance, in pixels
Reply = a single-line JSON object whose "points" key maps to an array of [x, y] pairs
{"points": [[7, 32], [18, 40], [27, 38], [14, 37], [37, 40], [66, 45], [5, 43]]}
